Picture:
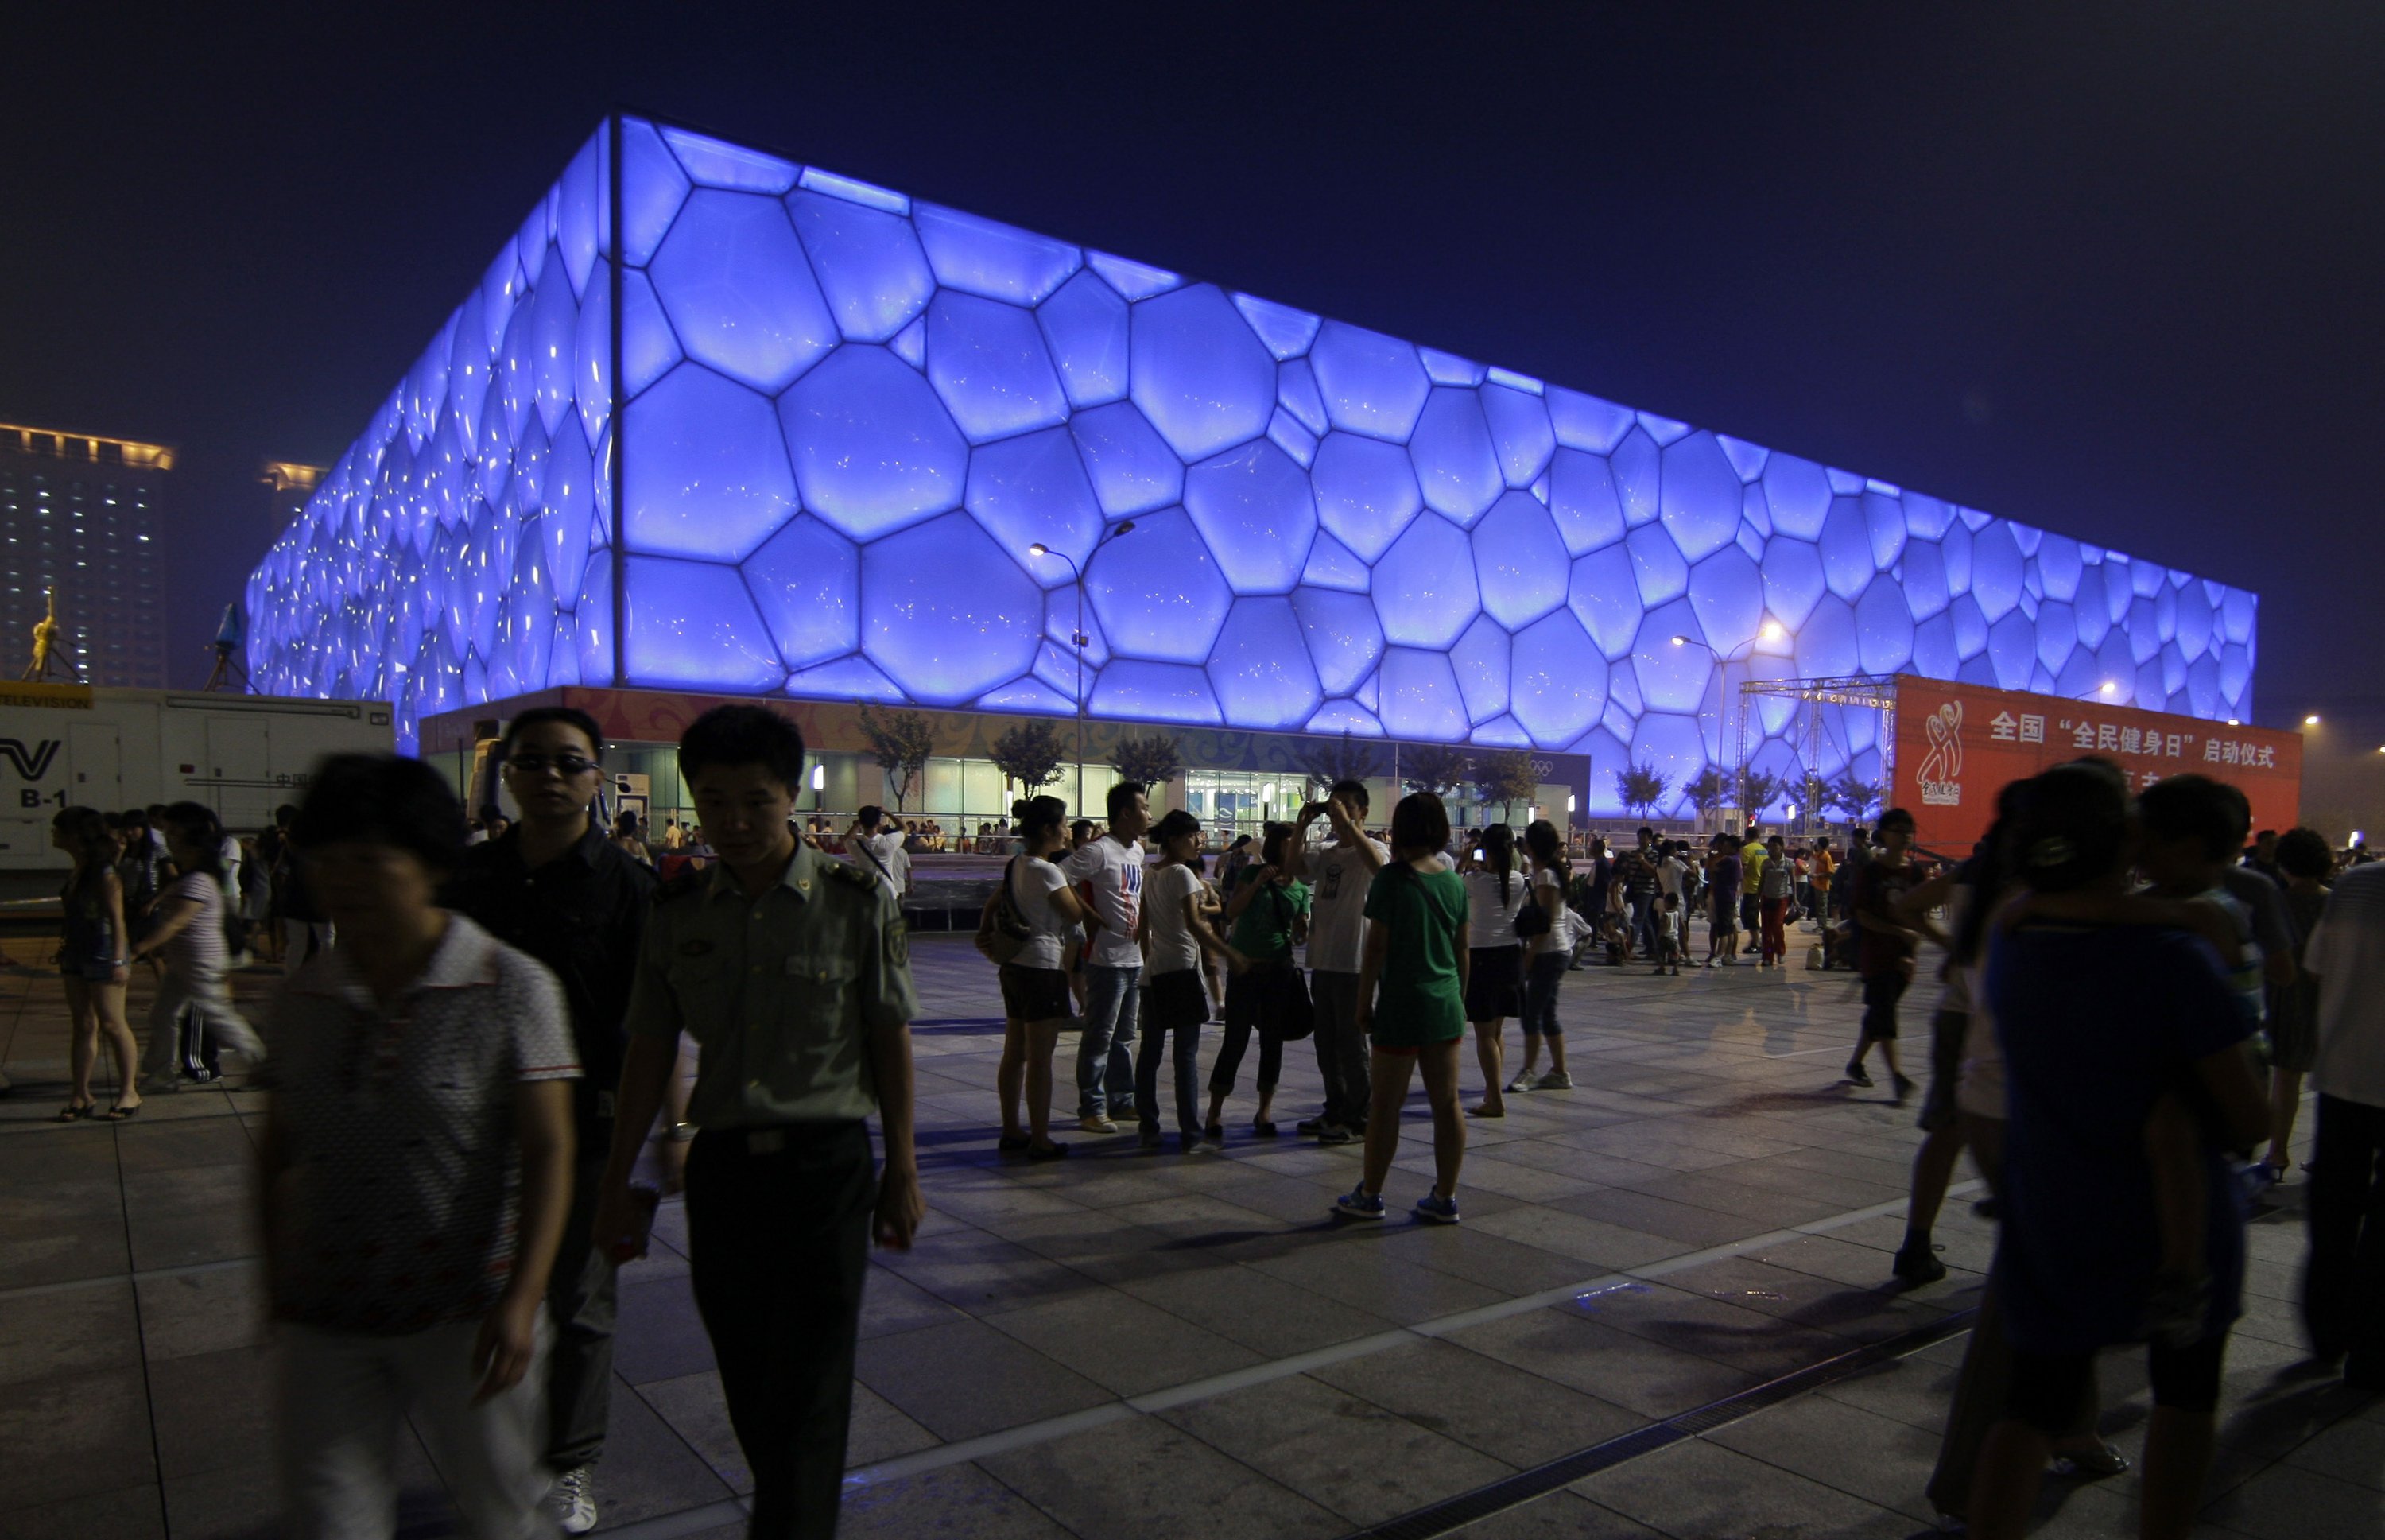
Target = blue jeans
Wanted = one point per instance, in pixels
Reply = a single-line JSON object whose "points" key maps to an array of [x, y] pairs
{"points": [[1110, 1012]]}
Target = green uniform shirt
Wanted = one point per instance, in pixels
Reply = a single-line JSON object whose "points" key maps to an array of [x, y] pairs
{"points": [[1417, 997], [1264, 932], [780, 992]]}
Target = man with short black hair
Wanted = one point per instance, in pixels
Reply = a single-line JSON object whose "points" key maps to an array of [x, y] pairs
{"points": [[875, 845], [1107, 873], [1885, 942], [792, 972], [554, 887], [1339, 877]]}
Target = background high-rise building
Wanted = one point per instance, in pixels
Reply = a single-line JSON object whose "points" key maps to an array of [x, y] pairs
{"points": [[86, 513]]}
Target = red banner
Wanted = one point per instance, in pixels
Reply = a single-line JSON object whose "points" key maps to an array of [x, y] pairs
{"points": [[1958, 744]]}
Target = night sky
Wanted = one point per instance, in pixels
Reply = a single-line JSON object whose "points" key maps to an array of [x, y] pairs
{"points": [[2113, 270]]}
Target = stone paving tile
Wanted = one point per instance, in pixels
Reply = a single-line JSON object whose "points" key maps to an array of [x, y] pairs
{"points": [[210, 1411], [204, 1312], [1150, 1480], [1701, 1489], [124, 1513], [1122, 1344], [1559, 1516], [66, 1332], [1272, 1318], [1599, 1360], [1006, 1384], [1524, 1420], [1874, 1458], [1349, 1454], [957, 1501]]}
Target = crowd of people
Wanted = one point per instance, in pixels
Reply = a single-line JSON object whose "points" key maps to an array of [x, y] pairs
{"points": [[477, 1094]]}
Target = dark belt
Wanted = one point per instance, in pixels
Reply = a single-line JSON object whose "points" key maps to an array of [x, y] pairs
{"points": [[775, 1139]]}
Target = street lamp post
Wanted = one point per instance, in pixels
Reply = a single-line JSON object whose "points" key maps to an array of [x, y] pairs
{"points": [[1078, 638], [1770, 632]]}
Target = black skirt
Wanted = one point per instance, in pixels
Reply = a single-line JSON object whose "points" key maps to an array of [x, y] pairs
{"points": [[1495, 982]]}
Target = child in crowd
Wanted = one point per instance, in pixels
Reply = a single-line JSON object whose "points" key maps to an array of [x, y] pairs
{"points": [[1669, 935]]}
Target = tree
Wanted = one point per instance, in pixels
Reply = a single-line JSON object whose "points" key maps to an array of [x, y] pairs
{"points": [[1029, 754], [1642, 787], [1151, 761], [1757, 790], [1854, 797], [1706, 790], [1438, 769], [1342, 759], [1506, 777], [901, 742]]}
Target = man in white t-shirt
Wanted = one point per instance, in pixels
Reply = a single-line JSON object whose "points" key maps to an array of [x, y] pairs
{"points": [[1337, 877], [2343, 1289], [1107, 874], [875, 845]]}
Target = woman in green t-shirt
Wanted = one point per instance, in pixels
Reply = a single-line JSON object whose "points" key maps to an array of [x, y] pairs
{"points": [[1269, 914], [1416, 956]]}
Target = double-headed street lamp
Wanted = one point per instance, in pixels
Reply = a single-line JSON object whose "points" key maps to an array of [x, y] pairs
{"points": [[1770, 632], [1078, 638]]}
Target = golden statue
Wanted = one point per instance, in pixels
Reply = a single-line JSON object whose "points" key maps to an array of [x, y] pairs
{"points": [[46, 642]]}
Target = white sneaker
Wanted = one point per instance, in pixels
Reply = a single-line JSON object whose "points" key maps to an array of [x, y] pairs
{"points": [[1097, 1125], [572, 1502], [1521, 1083], [1556, 1079]]}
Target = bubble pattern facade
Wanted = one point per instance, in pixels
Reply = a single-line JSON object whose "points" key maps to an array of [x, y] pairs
{"points": [[842, 416]]}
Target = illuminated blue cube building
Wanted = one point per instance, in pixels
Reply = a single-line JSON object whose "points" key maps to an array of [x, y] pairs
{"points": [[714, 420]]}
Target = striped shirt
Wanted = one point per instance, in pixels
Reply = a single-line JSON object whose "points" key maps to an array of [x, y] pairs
{"points": [[196, 953]]}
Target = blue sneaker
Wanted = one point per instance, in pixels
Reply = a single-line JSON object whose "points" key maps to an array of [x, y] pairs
{"points": [[1437, 1209], [1355, 1204]]}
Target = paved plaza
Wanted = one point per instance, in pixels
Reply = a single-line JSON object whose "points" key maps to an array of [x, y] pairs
{"points": [[1150, 1346]]}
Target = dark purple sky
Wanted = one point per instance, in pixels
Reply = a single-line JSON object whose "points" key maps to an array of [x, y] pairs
{"points": [[2112, 270]]}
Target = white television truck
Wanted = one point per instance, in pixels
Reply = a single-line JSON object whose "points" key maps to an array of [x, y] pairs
{"points": [[72, 746]]}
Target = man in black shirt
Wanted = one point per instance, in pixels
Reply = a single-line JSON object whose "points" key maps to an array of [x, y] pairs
{"points": [[554, 886]]}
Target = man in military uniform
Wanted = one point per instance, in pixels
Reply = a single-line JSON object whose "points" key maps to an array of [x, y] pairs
{"points": [[792, 973], [554, 886]]}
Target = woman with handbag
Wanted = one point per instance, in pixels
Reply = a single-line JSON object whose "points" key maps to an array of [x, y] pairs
{"points": [[1412, 1006], [1494, 989], [1177, 935], [1545, 926], [1269, 912], [1025, 925]]}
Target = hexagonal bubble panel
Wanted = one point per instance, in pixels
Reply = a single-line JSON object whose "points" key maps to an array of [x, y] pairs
{"points": [[1343, 636], [868, 262], [1925, 577], [987, 361], [1586, 421], [693, 623], [1158, 592], [2094, 611], [853, 678], [1261, 668], [1286, 331], [1367, 492], [649, 347], [806, 584], [1086, 324], [1456, 464], [1638, 468], [1424, 586], [713, 163], [1519, 562], [1657, 565], [1198, 373], [1029, 695], [1604, 595], [1133, 280], [733, 280], [1132, 467], [1333, 565], [709, 478], [987, 257], [1846, 548], [873, 449], [1699, 498], [1883, 628], [2012, 648], [1419, 697], [1346, 717], [1798, 490], [1520, 427], [1829, 644], [1884, 521], [1996, 568], [1675, 745], [1254, 509], [2197, 618], [1033, 489], [1970, 627], [2057, 634], [1581, 495], [653, 188], [1157, 691], [591, 356], [2059, 562], [1557, 681], [1671, 678], [1727, 595], [2239, 610], [1372, 383], [1479, 660], [1063, 618], [1292, 438], [946, 612]]}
